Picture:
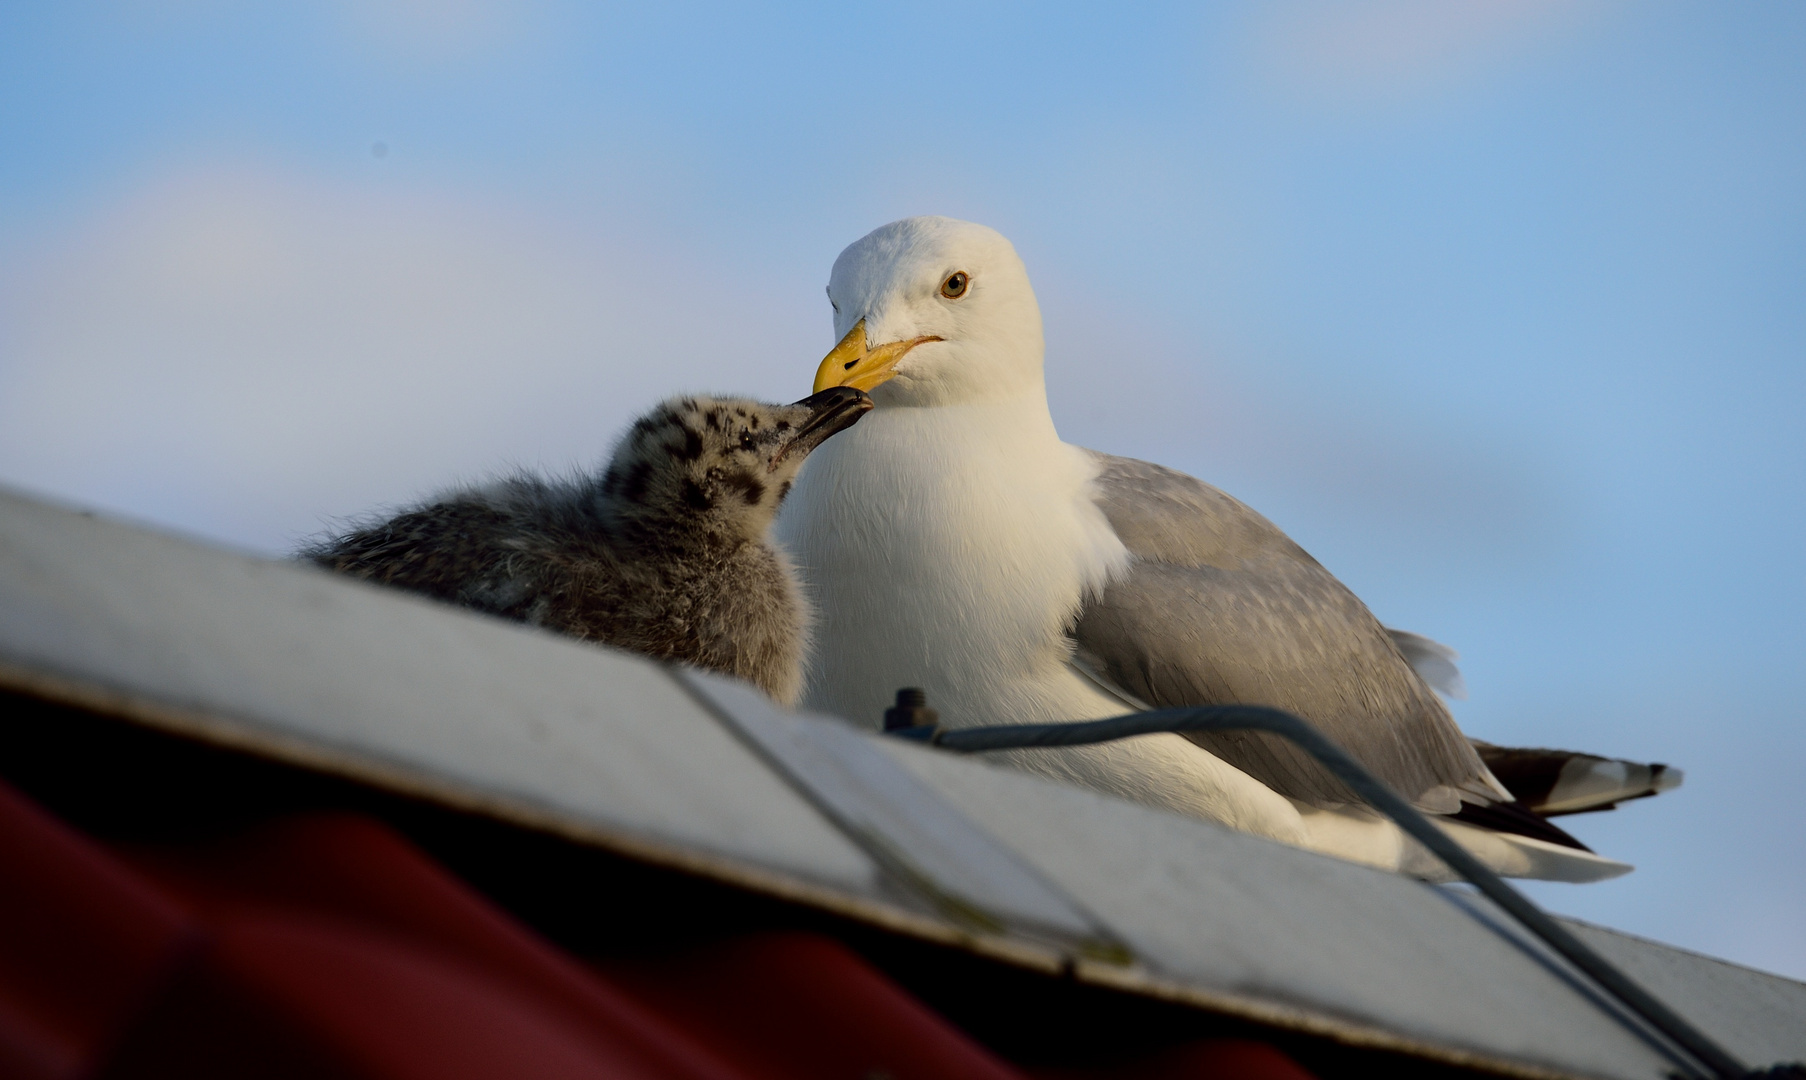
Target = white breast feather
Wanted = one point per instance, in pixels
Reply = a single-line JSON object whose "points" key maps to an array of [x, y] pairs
{"points": [[948, 548]]}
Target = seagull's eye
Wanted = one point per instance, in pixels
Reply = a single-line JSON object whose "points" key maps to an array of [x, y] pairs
{"points": [[955, 285]]}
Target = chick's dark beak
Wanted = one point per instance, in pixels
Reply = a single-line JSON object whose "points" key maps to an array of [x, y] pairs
{"points": [[830, 412]]}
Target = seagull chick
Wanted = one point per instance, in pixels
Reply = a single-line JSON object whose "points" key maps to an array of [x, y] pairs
{"points": [[664, 553]]}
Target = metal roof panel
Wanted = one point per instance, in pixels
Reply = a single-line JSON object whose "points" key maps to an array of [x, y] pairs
{"points": [[292, 662]]}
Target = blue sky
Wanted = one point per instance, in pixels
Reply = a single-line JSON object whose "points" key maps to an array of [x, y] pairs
{"points": [[1496, 306]]}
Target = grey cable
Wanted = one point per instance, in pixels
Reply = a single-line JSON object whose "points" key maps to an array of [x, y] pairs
{"points": [[1718, 1061]]}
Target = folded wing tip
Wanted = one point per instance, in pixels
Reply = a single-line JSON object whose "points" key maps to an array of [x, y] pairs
{"points": [[1433, 661]]}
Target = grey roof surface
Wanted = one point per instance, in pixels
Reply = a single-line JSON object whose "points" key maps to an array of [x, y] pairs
{"points": [[703, 774]]}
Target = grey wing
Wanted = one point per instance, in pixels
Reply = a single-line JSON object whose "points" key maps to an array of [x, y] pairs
{"points": [[1220, 607]]}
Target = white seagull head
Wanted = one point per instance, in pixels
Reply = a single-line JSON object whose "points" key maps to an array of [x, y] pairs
{"points": [[933, 311]]}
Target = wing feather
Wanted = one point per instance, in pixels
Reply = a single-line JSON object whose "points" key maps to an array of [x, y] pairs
{"points": [[1220, 607], [1433, 660], [1555, 782]]}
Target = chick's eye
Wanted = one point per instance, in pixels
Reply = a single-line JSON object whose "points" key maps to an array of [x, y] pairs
{"points": [[955, 285]]}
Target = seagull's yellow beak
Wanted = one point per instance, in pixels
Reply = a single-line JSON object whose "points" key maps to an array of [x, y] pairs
{"points": [[852, 364]]}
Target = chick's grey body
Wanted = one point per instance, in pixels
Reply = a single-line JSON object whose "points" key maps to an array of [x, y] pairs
{"points": [[664, 553]]}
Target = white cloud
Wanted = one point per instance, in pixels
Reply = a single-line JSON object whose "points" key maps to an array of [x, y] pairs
{"points": [[1384, 50], [1411, 488], [241, 352], [438, 31]]}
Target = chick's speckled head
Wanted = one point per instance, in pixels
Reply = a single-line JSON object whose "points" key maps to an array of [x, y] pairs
{"points": [[722, 465]]}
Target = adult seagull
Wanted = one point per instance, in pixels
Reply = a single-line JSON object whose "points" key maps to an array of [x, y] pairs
{"points": [[953, 542]]}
